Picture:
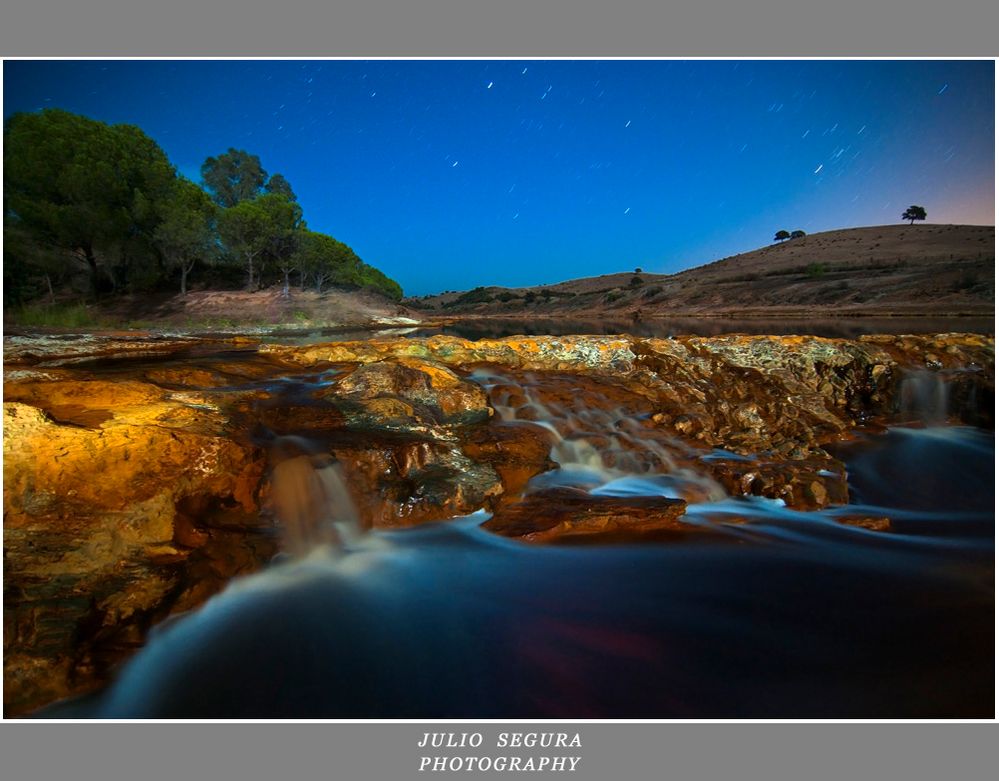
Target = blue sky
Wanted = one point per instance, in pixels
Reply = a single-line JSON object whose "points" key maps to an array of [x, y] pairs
{"points": [[452, 174]]}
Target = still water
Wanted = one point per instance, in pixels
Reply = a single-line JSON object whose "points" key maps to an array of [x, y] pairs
{"points": [[496, 328]]}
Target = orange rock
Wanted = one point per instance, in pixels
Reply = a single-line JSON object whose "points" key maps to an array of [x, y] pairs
{"points": [[564, 514], [517, 452]]}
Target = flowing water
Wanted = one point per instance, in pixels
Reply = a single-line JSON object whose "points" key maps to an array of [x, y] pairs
{"points": [[775, 613]]}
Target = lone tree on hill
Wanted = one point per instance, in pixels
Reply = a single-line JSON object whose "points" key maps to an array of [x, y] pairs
{"points": [[782, 236], [914, 213]]}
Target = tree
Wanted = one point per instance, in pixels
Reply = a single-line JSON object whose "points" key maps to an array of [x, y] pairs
{"points": [[798, 234], [278, 185], [27, 262], [186, 233], [325, 260], [914, 213], [638, 270], [234, 177], [782, 236], [261, 229], [85, 187]]}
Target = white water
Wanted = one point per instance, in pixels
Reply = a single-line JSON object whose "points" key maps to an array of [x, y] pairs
{"points": [[310, 498], [606, 451]]}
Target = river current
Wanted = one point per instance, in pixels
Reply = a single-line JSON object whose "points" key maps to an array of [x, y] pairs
{"points": [[777, 613]]}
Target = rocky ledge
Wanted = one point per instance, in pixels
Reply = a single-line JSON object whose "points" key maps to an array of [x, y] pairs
{"points": [[141, 474]]}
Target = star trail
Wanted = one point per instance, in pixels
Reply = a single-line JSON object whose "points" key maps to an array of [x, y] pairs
{"points": [[452, 174]]}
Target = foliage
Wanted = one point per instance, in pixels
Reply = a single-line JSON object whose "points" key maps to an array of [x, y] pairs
{"points": [[233, 177], [638, 270], [260, 229], [87, 188], [914, 213], [477, 295], [278, 185], [98, 204], [798, 234], [635, 281], [56, 316], [186, 232], [782, 235], [815, 270]]}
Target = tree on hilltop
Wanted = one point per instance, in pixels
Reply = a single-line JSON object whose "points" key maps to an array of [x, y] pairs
{"points": [[798, 234], [914, 213], [782, 236]]}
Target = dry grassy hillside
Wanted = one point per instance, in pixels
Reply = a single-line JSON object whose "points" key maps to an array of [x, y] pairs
{"points": [[878, 271]]}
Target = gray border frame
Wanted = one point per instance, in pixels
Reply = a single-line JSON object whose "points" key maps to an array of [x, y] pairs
{"points": [[494, 28], [507, 28]]}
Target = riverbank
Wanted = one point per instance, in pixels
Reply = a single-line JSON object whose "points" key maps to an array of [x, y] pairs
{"points": [[213, 454]]}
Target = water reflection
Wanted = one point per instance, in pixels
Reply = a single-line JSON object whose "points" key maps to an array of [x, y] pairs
{"points": [[846, 328]]}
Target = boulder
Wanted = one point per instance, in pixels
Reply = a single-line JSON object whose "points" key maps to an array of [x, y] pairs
{"points": [[565, 514]]}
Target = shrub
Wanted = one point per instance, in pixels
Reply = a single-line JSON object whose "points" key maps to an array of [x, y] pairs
{"points": [[57, 316]]}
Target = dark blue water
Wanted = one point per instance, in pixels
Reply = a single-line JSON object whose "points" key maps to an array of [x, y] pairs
{"points": [[786, 614]]}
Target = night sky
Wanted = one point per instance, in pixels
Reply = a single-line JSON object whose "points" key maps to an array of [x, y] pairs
{"points": [[452, 174]]}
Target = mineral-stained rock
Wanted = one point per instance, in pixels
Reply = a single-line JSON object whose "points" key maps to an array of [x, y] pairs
{"points": [[92, 542], [66, 349], [400, 393], [788, 394], [872, 523], [131, 493], [517, 451], [563, 514], [806, 484], [403, 481]]}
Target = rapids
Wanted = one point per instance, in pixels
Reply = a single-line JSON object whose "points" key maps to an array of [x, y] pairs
{"points": [[775, 613]]}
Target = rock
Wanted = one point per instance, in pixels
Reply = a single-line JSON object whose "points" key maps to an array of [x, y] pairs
{"points": [[565, 514], [133, 494], [516, 451], [388, 394], [807, 484], [405, 481], [874, 524], [93, 535]]}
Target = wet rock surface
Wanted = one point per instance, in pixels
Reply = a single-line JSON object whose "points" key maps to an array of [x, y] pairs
{"points": [[566, 515], [139, 472]]}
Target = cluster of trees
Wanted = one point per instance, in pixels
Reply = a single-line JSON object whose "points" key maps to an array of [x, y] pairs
{"points": [[84, 199], [783, 235]]}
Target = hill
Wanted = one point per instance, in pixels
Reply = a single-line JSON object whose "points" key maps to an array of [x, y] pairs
{"points": [[888, 270]]}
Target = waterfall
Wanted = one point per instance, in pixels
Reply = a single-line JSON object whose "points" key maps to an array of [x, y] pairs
{"points": [[924, 397], [310, 498], [600, 449]]}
